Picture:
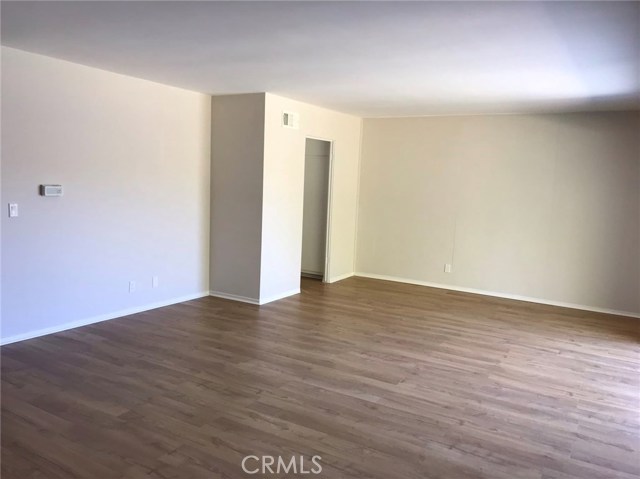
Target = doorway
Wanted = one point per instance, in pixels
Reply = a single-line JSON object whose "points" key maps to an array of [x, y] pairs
{"points": [[317, 167]]}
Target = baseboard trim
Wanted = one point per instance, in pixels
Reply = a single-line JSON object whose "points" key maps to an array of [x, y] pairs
{"points": [[234, 297], [276, 297], [499, 295], [98, 319], [258, 302], [335, 279]]}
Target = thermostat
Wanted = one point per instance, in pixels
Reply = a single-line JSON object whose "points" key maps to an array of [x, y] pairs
{"points": [[51, 190]]}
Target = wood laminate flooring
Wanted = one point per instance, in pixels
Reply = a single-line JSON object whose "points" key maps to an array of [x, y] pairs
{"points": [[382, 380]]}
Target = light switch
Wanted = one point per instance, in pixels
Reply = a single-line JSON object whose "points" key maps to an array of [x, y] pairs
{"points": [[13, 210]]}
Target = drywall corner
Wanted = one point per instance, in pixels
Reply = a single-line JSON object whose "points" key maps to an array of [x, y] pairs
{"points": [[237, 154]]}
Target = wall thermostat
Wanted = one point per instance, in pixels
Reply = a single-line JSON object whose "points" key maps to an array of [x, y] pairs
{"points": [[51, 190]]}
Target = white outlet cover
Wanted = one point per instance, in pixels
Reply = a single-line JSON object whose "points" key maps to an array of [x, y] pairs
{"points": [[13, 210]]}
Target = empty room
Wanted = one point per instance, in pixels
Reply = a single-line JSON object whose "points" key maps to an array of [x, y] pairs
{"points": [[295, 239]]}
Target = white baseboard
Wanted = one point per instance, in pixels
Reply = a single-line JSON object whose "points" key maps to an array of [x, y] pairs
{"points": [[100, 318], [234, 297], [335, 279], [246, 299], [499, 295], [280, 296]]}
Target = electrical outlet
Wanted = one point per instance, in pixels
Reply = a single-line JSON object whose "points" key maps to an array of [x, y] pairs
{"points": [[154, 281], [132, 286], [447, 268]]}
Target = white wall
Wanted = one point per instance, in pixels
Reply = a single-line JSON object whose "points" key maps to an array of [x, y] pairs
{"points": [[237, 154], [283, 193], [133, 157], [257, 194], [540, 206], [316, 196]]}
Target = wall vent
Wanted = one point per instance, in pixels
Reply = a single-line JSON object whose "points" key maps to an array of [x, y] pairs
{"points": [[290, 120]]}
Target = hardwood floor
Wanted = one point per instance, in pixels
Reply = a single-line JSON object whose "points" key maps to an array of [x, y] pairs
{"points": [[382, 380]]}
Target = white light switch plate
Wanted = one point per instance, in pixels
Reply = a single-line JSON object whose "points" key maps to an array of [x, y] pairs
{"points": [[13, 210]]}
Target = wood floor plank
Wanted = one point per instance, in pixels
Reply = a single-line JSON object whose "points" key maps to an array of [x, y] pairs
{"points": [[380, 379]]}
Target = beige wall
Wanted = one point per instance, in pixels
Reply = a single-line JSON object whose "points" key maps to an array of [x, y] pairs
{"points": [[283, 192], [237, 152], [539, 206], [257, 179], [133, 157]]}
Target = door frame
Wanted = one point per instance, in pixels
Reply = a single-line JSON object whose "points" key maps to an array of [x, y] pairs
{"points": [[327, 240]]}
